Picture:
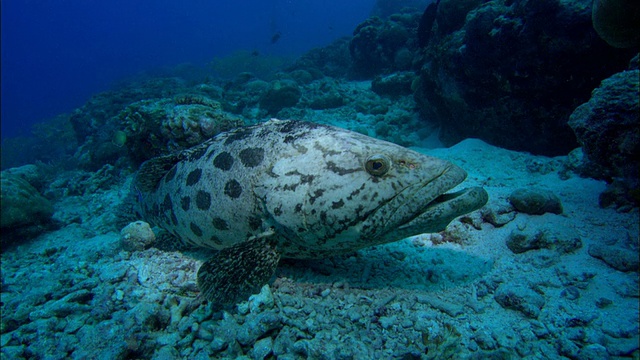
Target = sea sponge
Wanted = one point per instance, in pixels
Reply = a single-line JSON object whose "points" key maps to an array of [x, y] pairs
{"points": [[22, 205]]}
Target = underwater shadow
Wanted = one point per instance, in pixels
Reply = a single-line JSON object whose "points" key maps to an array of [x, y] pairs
{"points": [[425, 269]]}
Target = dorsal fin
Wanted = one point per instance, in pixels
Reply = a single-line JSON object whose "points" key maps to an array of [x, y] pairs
{"points": [[152, 171]]}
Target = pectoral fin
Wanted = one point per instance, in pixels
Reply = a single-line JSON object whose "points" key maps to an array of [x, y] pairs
{"points": [[239, 271]]}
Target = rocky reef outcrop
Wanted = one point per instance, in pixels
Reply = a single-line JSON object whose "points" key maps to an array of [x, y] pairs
{"points": [[511, 71], [25, 212], [383, 46], [607, 128]]}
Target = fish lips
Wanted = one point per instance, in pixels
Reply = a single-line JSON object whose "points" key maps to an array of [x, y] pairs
{"points": [[427, 207], [443, 209]]}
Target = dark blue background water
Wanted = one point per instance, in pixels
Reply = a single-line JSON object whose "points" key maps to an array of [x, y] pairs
{"points": [[56, 53]]}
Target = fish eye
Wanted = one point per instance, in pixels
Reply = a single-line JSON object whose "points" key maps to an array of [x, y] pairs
{"points": [[377, 165]]}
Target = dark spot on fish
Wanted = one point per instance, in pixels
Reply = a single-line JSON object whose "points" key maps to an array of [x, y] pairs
{"points": [[233, 189], [325, 151], [194, 177], [323, 216], [171, 174], [337, 204], [291, 187], [167, 204], [316, 194], [301, 149], [185, 203], [203, 200], [255, 222], [278, 211], [300, 229], [296, 125], [196, 229], [224, 161], [356, 192], [331, 166], [252, 157], [216, 240], [220, 224], [240, 134], [197, 154], [298, 208]]}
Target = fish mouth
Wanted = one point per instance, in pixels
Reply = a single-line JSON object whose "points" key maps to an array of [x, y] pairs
{"points": [[428, 207], [443, 209]]}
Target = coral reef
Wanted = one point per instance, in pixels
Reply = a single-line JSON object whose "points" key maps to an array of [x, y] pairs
{"points": [[333, 60], [386, 8], [393, 85], [607, 128], [513, 72], [281, 94], [381, 46], [261, 65]]}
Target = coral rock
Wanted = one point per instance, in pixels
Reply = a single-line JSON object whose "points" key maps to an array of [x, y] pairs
{"points": [[137, 236], [535, 201]]}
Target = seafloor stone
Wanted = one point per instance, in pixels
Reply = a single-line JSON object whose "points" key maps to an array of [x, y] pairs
{"points": [[535, 201], [137, 236], [520, 298], [617, 257], [563, 240], [21, 203]]}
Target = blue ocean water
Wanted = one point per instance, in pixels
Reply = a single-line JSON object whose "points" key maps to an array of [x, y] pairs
{"points": [[56, 54]]}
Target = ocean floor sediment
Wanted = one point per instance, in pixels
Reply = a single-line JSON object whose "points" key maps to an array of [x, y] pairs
{"points": [[498, 283]]}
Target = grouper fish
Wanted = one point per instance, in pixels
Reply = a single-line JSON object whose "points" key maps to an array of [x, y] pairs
{"points": [[294, 189]]}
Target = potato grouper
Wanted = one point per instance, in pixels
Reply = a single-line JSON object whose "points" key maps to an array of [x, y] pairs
{"points": [[294, 189]]}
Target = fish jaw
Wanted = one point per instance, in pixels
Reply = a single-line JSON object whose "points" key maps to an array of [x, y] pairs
{"points": [[427, 207], [441, 211]]}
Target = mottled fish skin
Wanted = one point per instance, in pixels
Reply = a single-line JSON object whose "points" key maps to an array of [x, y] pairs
{"points": [[323, 190]]}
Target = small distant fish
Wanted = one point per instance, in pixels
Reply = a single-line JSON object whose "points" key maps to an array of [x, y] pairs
{"points": [[276, 37], [295, 189], [255, 53]]}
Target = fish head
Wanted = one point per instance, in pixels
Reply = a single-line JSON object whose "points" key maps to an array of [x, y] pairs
{"points": [[352, 191]]}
